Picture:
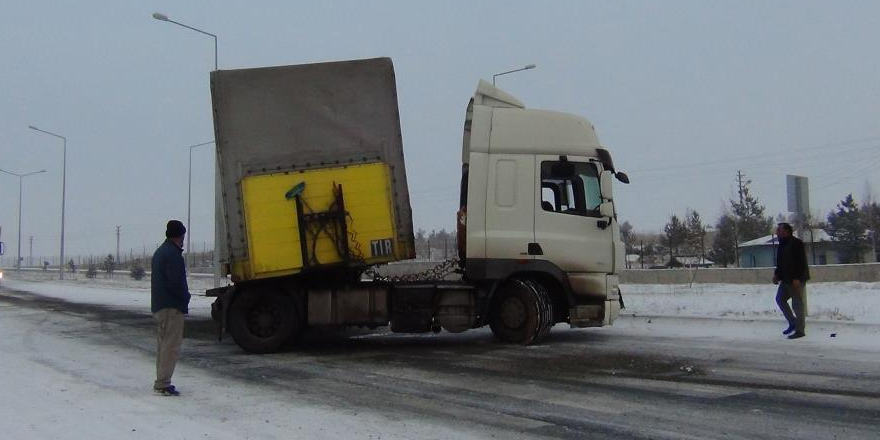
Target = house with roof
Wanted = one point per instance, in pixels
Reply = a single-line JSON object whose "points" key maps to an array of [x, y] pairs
{"points": [[761, 252], [688, 261]]}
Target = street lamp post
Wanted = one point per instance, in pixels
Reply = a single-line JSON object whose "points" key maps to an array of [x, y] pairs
{"points": [[20, 178], [217, 200], [63, 190], [162, 17], [527, 67], [189, 196]]}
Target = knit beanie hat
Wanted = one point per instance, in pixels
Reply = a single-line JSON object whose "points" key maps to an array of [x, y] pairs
{"points": [[174, 229]]}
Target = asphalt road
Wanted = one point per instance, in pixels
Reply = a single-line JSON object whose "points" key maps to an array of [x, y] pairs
{"points": [[629, 381]]}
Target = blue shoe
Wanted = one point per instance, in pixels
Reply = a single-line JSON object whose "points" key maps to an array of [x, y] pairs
{"points": [[789, 330], [167, 391]]}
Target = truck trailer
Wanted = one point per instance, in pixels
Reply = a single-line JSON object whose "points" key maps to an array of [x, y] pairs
{"points": [[314, 197]]}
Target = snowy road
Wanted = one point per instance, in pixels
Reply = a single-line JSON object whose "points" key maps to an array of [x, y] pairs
{"points": [[80, 370]]}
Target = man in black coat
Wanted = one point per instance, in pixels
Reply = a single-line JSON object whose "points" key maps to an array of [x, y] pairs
{"points": [[169, 296], [791, 274]]}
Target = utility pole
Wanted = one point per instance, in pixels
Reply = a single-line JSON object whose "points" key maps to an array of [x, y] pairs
{"points": [[739, 182], [117, 244], [741, 189]]}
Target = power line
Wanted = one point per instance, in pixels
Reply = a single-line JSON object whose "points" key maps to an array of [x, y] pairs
{"points": [[763, 155]]}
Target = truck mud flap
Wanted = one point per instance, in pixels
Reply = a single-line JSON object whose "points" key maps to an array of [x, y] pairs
{"points": [[220, 307]]}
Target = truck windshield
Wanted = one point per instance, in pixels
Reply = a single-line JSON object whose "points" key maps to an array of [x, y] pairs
{"points": [[570, 188]]}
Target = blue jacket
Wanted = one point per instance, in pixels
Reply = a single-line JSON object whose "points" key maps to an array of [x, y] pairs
{"points": [[168, 279]]}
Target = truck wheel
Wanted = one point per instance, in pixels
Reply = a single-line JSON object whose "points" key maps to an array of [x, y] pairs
{"points": [[262, 322], [521, 312]]}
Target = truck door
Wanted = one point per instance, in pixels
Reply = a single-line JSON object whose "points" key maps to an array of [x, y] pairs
{"points": [[568, 227], [510, 206]]}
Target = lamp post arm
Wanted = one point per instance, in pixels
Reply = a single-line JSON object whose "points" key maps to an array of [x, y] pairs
{"points": [[190, 27], [48, 132], [527, 67], [201, 32]]}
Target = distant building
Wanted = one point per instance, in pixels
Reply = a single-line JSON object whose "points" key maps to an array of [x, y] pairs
{"points": [[633, 261], [695, 261], [761, 252], [688, 261]]}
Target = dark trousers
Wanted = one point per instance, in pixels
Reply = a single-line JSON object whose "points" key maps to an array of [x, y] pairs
{"points": [[785, 292]]}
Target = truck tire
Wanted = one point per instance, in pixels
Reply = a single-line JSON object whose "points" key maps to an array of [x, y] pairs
{"points": [[521, 312], [263, 322]]}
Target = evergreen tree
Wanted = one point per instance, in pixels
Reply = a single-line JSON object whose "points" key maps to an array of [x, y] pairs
{"points": [[847, 230], [696, 234], [137, 271], [676, 235], [749, 215], [724, 245]]}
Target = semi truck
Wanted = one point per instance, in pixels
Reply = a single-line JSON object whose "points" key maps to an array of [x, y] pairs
{"points": [[314, 196]]}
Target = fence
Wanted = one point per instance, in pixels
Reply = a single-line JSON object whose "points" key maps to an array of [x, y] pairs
{"points": [[828, 273], [195, 261]]}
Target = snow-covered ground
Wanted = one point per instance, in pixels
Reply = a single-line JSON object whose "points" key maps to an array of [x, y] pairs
{"points": [[120, 293], [58, 386], [853, 302]]}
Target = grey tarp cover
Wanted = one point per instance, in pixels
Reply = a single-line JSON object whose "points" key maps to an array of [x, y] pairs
{"points": [[308, 116]]}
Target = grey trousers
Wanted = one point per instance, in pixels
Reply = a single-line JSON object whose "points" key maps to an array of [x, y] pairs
{"points": [[169, 338], [785, 292]]}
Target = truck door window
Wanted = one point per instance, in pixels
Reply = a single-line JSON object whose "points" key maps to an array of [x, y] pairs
{"points": [[570, 188]]}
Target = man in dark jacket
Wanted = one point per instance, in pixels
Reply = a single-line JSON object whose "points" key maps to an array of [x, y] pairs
{"points": [[791, 274], [170, 301]]}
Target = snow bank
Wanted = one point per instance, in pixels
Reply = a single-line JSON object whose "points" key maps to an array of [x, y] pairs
{"points": [[854, 302]]}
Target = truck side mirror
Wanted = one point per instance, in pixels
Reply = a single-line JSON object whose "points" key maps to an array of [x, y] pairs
{"points": [[605, 185], [622, 177], [606, 209]]}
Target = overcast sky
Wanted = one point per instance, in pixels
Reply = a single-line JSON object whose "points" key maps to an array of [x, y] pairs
{"points": [[684, 94]]}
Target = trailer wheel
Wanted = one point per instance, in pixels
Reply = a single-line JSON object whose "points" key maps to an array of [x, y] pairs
{"points": [[262, 322], [521, 312]]}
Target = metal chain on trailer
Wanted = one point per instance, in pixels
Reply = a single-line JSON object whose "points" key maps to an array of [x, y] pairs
{"points": [[436, 273]]}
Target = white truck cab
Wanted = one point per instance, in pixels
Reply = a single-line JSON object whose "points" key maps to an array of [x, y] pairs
{"points": [[537, 193]]}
